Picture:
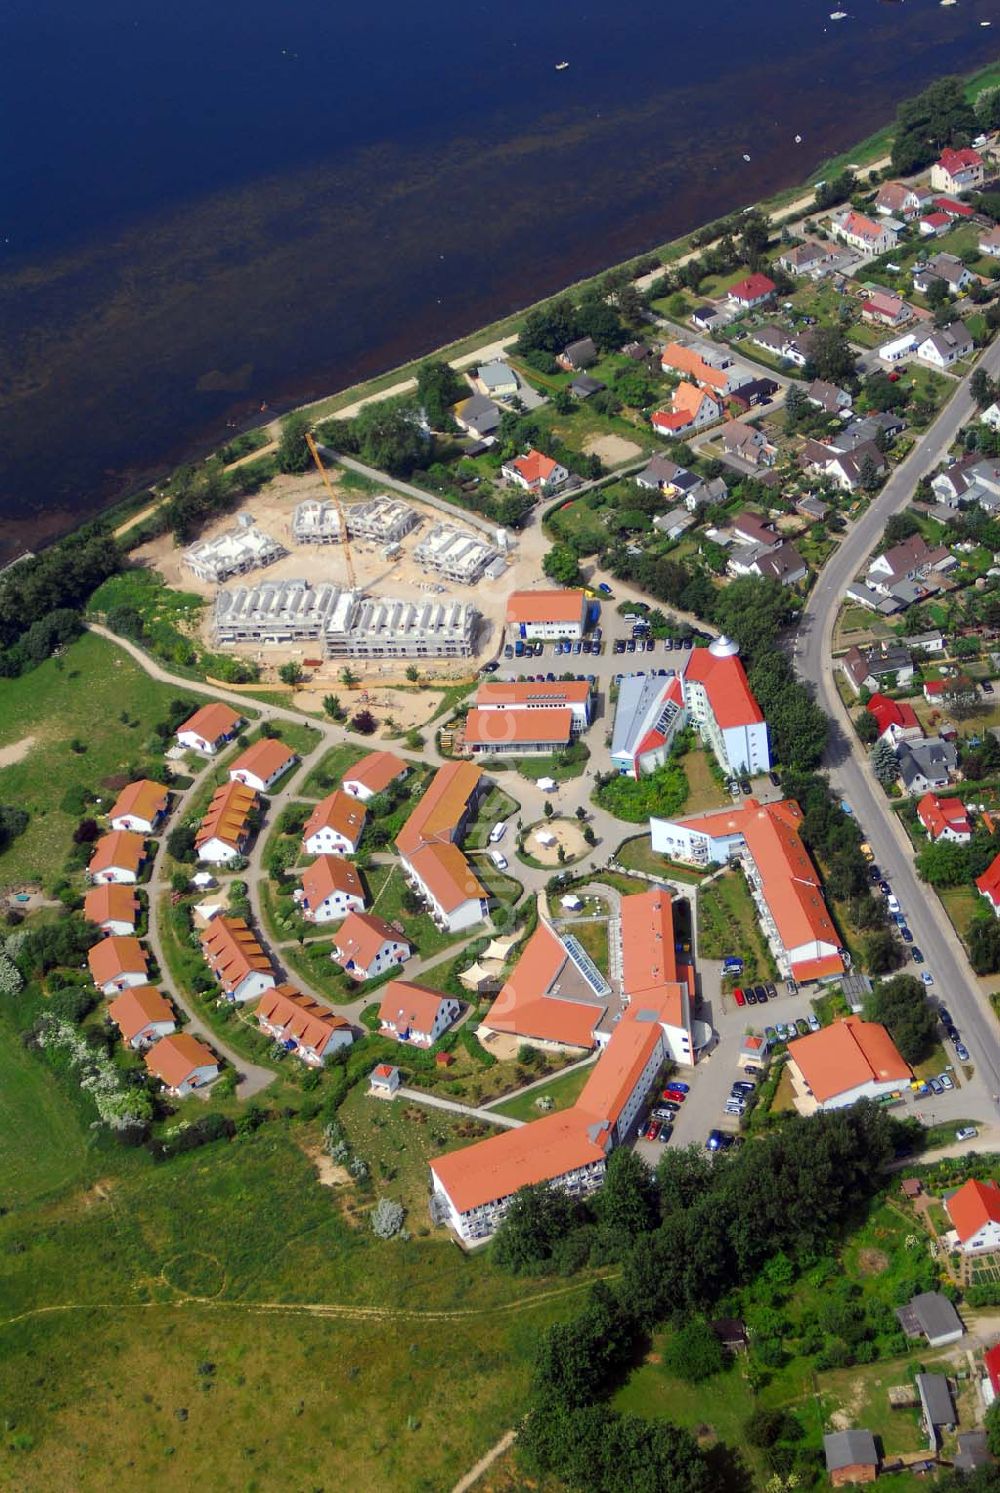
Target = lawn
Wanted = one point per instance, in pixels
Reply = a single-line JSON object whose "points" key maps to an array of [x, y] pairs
{"points": [[495, 808], [81, 700], [727, 924], [427, 939], [302, 739], [503, 888], [704, 789], [329, 771], [592, 936], [562, 766], [563, 1090], [43, 1144], [637, 854]]}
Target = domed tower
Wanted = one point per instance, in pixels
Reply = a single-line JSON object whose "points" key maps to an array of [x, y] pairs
{"points": [[724, 647]]}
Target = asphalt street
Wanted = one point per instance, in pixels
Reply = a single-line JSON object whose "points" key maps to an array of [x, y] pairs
{"points": [[846, 761]]}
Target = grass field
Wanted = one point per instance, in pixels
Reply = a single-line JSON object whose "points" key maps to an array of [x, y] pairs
{"points": [[593, 939], [329, 771], [82, 700], [31, 1102], [638, 855], [727, 924], [563, 1090]]}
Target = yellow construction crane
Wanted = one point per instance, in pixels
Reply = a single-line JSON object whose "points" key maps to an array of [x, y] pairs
{"points": [[345, 540]]}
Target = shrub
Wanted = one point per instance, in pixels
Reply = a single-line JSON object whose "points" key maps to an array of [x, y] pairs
{"points": [[387, 1218]]}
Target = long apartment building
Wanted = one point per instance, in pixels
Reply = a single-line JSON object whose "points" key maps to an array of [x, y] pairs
{"points": [[526, 718], [345, 624], [428, 846], [455, 553], [783, 881], [712, 693], [549, 1001]]}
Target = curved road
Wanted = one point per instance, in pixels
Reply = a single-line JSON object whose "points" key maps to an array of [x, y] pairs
{"points": [[846, 759]]}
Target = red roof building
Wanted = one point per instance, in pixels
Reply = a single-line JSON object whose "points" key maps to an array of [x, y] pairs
{"points": [[894, 718], [988, 884], [752, 291], [975, 1214], [944, 818], [847, 1061], [991, 1363]]}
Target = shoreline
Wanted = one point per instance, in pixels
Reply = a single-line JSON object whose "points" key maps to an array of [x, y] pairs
{"points": [[465, 350]]}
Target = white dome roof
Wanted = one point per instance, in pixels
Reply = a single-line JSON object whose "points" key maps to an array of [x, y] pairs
{"points": [[724, 648]]}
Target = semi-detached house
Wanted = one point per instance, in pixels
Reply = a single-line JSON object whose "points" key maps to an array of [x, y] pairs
{"points": [[303, 1027], [182, 1063], [335, 825], [413, 1013], [118, 963], [117, 857], [262, 764], [236, 959], [945, 819], [366, 946], [140, 806], [227, 825], [974, 1210], [142, 1015], [112, 907], [374, 774], [331, 888], [209, 729]]}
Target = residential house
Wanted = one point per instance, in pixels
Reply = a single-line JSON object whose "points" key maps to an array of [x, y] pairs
{"points": [[262, 764], [926, 764], [455, 896], [811, 507], [845, 469], [209, 729], [331, 888], [674, 523], [913, 559], [991, 416], [112, 907], [584, 386], [897, 200], [899, 349], [771, 338], [659, 474], [754, 290], [374, 774], [415, 1014], [958, 171], [140, 806], [847, 1061], [946, 346], [750, 528], [958, 688], [974, 1210], [182, 1064], [943, 267], [953, 207], [578, 355], [896, 720], [236, 959], [749, 396], [723, 709], [117, 963], [932, 225], [496, 380], [870, 670], [944, 819], [383, 1081], [783, 564], [806, 258], [989, 242], [228, 824], [710, 367], [535, 472], [973, 1451], [988, 885], [301, 1025], [478, 416], [936, 1406], [851, 1458], [366, 946], [142, 1015], [335, 825], [885, 310], [862, 233], [546, 614], [709, 318], [926, 642], [863, 430], [691, 409], [828, 397], [117, 857], [748, 444]]}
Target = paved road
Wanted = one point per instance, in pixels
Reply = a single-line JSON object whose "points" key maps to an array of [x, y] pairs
{"points": [[846, 759]]}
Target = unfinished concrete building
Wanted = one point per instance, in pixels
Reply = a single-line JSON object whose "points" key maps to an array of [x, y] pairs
{"points": [[274, 612], [377, 627], [233, 553], [457, 554], [314, 522], [385, 520]]}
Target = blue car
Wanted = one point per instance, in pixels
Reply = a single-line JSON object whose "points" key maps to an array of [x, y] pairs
{"points": [[682, 1088]]}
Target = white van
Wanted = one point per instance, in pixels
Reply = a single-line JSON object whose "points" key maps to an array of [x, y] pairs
{"points": [[497, 833], [500, 861], [892, 903]]}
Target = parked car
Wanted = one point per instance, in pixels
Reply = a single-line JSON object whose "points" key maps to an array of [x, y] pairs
{"points": [[752, 1070], [682, 1088], [944, 1016], [906, 935], [741, 1087], [937, 1087], [745, 787], [775, 779], [749, 996], [927, 977], [652, 1130], [945, 1081], [508, 651], [675, 1096], [671, 1106], [916, 955], [815, 1024], [772, 993], [718, 1140], [739, 997], [498, 859], [986, 687], [761, 993], [961, 1052], [666, 1131], [967, 1132]]}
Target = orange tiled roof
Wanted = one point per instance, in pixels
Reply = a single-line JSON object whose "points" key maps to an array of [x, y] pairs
{"points": [[534, 467], [938, 814], [989, 882], [134, 1009], [116, 956], [974, 1205], [212, 722], [846, 1055], [361, 935], [232, 950], [501, 727], [539, 694], [329, 874], [264, 758], [227, 814], [301, 1017], [686, 360], [376, 771], [545, 606], [143, 799], [446, 874], [111, 903], [525, 1007], [174, 1058], [441, 806], [725, 683], [122, 849], [339, 812], [497, 1167], [407, 1005]]}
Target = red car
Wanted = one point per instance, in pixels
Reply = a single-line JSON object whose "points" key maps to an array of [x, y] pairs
{"points": [[739, 997], [652, 1129], [675, 1095]]}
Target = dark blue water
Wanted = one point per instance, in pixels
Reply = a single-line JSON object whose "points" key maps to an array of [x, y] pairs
{"points": [[218, 204]]}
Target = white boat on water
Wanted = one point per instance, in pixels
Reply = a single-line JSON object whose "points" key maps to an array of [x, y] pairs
{"points": [[561, 67], [838, 15], [947, 2]]}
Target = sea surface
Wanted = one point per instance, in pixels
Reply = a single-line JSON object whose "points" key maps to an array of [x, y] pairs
{"points": [[207, 206]]}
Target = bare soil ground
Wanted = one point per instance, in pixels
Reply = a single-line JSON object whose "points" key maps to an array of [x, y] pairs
{"points": [[566, 834], [16, 752], [612, 449], [405, 707]]}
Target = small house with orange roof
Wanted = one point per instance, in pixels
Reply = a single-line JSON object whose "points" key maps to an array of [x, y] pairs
{"points": [[141, 806], [366, 946], [974, 1210], [712, 369], [142, 1015], [335, 825], [383, 1081], [304, 1027], [958, 170], [991, 1384], [546, 614], [209, 729], [844, 1062], [415, 1014], [866, 235], [374, 774], [112, 907], [262, 764], [117, 857], [182, 1064], [691, 408], [945, 819], [118, 963], [236, 959], [535, 472], [228, 824], [331, 888]]}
